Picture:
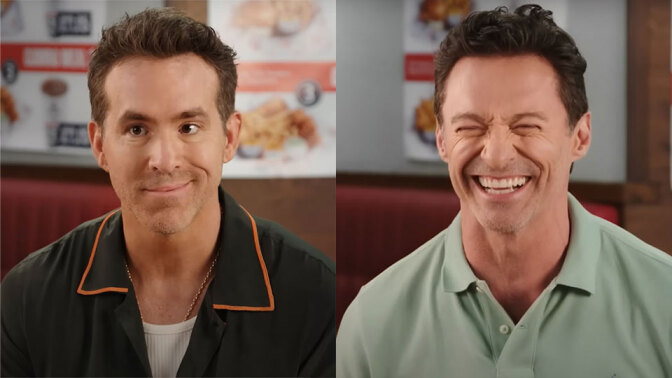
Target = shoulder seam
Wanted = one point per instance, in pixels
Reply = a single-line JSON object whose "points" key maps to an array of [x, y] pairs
{"points": [[57, 244], [641, 251], [277, 237]]}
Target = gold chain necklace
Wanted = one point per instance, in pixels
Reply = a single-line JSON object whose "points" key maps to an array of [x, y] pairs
{"points": [[198, 293]]}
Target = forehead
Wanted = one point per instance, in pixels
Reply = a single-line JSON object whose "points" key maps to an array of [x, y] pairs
{"points": [[502, 85], [155, 85]]}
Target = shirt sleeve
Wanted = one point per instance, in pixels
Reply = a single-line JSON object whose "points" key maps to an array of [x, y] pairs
{"points": [[14, 358], [351, 356]]}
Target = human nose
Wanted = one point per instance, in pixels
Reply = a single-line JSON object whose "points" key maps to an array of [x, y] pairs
{"points": [[164, 153], [498, 150]]}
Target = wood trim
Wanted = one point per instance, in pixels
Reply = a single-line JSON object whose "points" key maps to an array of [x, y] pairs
{"points": [[306, 207], [56, 173], [648, 55], [637, 98], [617, 194], [648, 143], [196, 9], [394, 180]]}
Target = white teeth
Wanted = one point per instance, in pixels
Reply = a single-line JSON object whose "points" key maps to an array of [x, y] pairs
{"points": [[499, 191], [501, 186]]}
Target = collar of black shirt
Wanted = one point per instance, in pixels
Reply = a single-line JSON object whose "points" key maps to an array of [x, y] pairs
{"points": [[241, 282]]}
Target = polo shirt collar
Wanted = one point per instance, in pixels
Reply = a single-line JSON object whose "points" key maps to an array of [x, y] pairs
{"points": [[456, 274], [241, 282], [578, 270], [580, 267]]}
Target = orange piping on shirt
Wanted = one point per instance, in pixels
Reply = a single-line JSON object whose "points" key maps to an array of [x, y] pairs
{"points": [[88, 267], [267, 281]]}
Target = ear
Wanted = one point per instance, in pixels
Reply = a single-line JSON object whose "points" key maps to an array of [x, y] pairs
{"points": [[233, 125], [581, 137], [96, 141], [440, 142]]}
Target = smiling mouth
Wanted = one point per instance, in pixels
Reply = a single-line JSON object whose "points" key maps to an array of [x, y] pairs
{"points": [[505, 185], [166, 188]]}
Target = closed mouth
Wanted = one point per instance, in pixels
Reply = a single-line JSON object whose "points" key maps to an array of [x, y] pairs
{"points": [[166, 188]]}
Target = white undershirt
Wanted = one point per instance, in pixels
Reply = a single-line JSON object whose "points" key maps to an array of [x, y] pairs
{"points": [[166, 345]]}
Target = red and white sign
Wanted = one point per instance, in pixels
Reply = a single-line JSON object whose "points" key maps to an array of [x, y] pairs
{"points": [[286, 85], [45, 52], [48, 57]]}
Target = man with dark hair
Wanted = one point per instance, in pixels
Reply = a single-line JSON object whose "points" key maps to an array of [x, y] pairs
{"points": [[524, 282], [181, 280]]}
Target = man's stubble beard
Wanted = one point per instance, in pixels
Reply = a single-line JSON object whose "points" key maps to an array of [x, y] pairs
{"points": [[170, 218], [166, 216], [509, 224]]}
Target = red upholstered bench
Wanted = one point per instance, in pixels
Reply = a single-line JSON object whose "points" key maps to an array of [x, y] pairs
{"points": [[376, 226], [36, 213]]}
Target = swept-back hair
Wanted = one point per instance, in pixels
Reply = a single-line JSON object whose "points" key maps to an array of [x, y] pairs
{"points": [[530, 29], [161, 33]]}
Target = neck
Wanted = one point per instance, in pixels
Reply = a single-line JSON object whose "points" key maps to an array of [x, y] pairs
{"points": [[180, 256], [519, 265]]}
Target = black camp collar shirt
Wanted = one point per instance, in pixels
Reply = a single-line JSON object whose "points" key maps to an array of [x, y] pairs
{"points": [[69, 309]]}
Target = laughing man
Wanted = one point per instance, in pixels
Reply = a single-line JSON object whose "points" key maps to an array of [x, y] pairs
{"points": [[524, 282]]}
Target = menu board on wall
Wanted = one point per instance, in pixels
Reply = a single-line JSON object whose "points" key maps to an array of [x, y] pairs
{"points": [[286, 85], [426, 23], [45, 52]]}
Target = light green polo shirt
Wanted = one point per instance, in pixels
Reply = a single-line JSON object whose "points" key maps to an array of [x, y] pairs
{"points": [[607, 314]]}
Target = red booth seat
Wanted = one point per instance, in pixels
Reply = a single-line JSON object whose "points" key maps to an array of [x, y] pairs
{"points": [[376, 226], [36, 213]]}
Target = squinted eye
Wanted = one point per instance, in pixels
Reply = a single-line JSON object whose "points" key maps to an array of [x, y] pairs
{"points": [[468, 129], [524, 128]]}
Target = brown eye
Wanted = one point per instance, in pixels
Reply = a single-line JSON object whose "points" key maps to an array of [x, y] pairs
{"points": [[189, 128], [137, 130]]}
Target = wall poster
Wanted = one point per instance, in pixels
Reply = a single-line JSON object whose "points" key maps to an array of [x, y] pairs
{"points": [[286, 85], [45, 54], [426, 23]]}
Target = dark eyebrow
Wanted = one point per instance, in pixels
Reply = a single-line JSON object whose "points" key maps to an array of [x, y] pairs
{"points": [[131, 115], [469, 116], [477, 118], [191, 113], [517, 117]]}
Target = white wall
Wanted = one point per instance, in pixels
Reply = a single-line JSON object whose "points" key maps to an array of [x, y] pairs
{"points": [[370, 87]]}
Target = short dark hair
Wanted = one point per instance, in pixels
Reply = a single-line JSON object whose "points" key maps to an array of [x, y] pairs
{"points": [[528, 30], [161, 33]]}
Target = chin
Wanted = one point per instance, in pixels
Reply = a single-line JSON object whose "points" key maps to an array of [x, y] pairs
{"points": [[502, 227], [502, 224], [167, 221], [167, 228]]}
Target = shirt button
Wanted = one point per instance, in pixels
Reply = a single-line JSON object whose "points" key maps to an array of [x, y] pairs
{"points": [[504, 329], [479, 289]]}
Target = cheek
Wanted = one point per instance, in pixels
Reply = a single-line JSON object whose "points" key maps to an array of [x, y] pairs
{"points": [[207, 157], [452, 146], [124, 158], [463, 150], [547, 152]]}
